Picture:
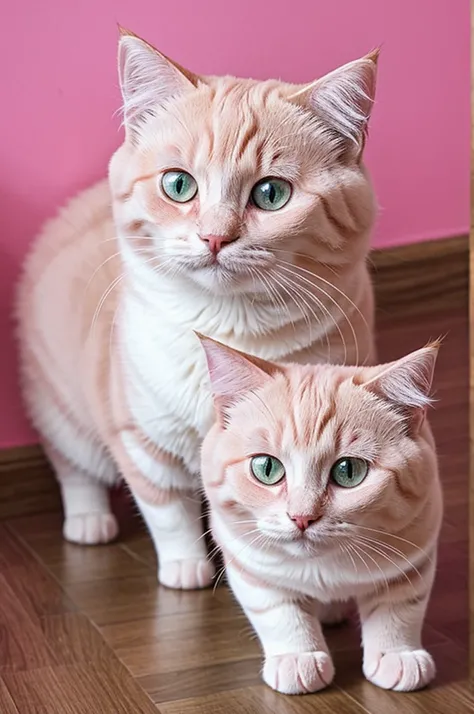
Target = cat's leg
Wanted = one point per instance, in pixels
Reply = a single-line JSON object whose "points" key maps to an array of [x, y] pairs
{"points": [[175, 524], [88, 519], [297, 659], [394, 657], [169, 500]]}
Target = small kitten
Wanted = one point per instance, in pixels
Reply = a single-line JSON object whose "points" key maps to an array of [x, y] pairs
{"points": [[323, 486]]}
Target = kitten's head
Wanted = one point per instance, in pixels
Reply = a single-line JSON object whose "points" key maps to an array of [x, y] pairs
{"points": [[310, 454], [224, 180]]}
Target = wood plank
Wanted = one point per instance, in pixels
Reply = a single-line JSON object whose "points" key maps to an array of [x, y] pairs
{"points": [[78, 690], [262, 700], [7, 705], [33, 587], [421, 278], [71, 563], [22, 641]]}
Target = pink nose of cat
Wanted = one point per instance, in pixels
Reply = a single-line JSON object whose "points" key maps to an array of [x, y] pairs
{"points": [[216, 243], [303, 522]]}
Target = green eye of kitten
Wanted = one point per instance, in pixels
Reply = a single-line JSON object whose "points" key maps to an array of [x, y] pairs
{"points": [[349, 472], [179, 186], [271, 194], [267, 469]]}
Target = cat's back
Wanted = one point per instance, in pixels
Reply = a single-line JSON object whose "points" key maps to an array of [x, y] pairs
{"points": [[71, 264]]}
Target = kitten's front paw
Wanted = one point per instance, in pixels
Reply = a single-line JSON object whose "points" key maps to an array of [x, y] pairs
{"points": [[300, 673], [91, 528], [186, 574], [401, 671]]}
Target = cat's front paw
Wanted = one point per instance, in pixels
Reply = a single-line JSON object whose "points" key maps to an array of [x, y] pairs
{"points": [[188, 574], [300, 673], [401, 671], [91, 528]]}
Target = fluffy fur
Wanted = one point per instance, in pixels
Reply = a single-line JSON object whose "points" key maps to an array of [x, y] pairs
{"points": [[113, 377], [296, 551]]}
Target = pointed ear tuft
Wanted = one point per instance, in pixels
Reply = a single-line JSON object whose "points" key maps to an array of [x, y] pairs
{"points": [[233, 374], [147, 79], [343, 99], [406, 383]]}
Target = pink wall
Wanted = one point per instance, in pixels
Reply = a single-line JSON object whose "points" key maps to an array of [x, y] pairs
{"points": [[59, 94]]}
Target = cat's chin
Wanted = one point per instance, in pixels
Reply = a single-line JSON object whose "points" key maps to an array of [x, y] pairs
{"points": [[221, 280], [302, 544]]}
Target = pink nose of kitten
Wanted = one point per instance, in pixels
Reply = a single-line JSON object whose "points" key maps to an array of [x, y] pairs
{"points": [[303, 522], [216, 243]]}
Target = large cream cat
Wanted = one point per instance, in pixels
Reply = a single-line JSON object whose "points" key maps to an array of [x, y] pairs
{"points": [[235, 207]]}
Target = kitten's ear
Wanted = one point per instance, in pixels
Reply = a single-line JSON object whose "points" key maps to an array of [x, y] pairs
{"points": [[147, 78], [406, 383], [233, 374], [343, 98]]}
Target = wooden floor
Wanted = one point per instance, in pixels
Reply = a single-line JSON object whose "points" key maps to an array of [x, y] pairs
{"points": [[88, 630]]}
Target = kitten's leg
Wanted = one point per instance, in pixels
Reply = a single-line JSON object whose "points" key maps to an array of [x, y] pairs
{"points": [[297, 660], [88, 519], [392, 622]]}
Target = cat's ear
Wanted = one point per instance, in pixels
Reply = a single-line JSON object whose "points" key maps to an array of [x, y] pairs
{"points": [[406, 383], [147, 79], [343, 99], [233, 374]]}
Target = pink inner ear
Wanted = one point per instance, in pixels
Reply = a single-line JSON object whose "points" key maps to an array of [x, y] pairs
{"points": [[344, 98], [406, 382], [232, 373]]}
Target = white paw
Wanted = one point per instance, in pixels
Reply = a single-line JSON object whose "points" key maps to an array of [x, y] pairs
{"points": [[91, 528], [300, 673], [401, 671], [189, 574]]}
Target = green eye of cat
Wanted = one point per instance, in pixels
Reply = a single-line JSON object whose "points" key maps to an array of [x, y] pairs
{"points": [[348, 472], [267, 469], [271, 194], [179, 186]]}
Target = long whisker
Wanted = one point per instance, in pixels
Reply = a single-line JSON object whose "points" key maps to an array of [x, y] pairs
{"points": [[358, 546], [389, 560], [294, 298], [104, 297], [318, 262], [392, 549], [223, 570], [301, 289], [330, 285], [346, 550], [352, 547], [335, 303], [273, 294], [392, 535]]}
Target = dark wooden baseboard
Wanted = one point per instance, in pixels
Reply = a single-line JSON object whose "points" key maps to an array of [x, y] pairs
{"points": [[414, 279], [422, 278]]}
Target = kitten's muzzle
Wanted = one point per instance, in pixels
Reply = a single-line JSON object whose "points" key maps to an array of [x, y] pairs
{"points": [[217, 242]]}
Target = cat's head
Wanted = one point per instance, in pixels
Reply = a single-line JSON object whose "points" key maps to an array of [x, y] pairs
{"points": [[310, 454], [224, 180]]}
